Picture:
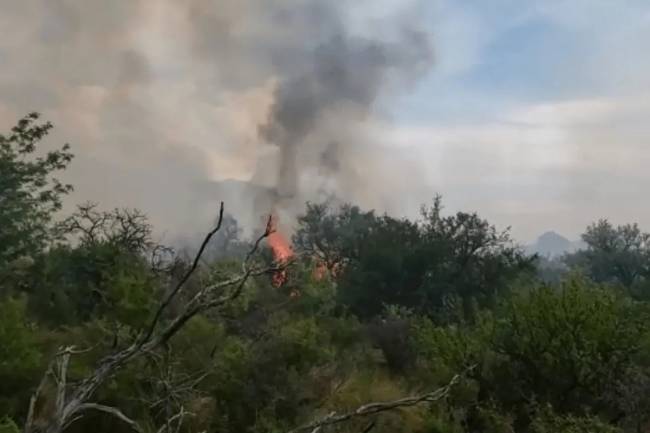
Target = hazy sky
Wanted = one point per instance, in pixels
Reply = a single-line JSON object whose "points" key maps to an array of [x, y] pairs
{"points": [[533, 113]]}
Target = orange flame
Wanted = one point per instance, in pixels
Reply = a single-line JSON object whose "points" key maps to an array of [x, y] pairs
{"points": [[282, 252]]}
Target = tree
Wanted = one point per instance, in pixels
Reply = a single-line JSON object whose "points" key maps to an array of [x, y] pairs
{"points": [[574, 348], [126, 229], [29, 194], [619, 255], [19, 354], [571, 346], [472, 260], [421, 265], [74, 402], [334, 237], [109, 270]]}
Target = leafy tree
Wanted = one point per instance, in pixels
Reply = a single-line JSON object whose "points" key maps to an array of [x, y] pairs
{"points": [[19, 355], [470, 258], [552, 270], [422, 265], [335, 237], [107, 273], [618, 254], [29, 194], [570, 348]]}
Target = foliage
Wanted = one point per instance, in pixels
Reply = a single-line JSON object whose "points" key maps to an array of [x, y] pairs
{"points": [[7, 425], [19, 354], [549, 422], [29, 194], [618, 254], [567, 347], [421, 265], [374, 308]]}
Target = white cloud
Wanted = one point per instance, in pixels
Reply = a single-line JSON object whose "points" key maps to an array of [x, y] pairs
{"points": [[550, 165]]}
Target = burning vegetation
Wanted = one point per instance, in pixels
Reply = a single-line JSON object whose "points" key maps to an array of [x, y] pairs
{"points": [[281, 249]]}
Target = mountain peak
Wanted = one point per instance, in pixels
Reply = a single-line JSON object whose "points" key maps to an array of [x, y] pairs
{"points": [[552, 244]]}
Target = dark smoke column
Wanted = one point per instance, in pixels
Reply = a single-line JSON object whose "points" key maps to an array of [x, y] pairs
{"points": [[341, 79]]}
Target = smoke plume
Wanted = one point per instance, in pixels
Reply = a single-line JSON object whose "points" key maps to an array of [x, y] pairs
{"points": [[333, 92], [173, 105]]}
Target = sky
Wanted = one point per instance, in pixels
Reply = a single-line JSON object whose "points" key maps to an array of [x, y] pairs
{"points": [[534, 114]]}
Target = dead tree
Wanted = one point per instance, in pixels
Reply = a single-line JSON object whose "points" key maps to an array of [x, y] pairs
{"points": [[73, 401]]}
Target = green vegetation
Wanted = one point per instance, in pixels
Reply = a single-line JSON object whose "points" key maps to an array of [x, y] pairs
{"points": [[103, 330]]}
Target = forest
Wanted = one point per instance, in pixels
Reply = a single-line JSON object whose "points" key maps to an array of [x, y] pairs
{"points": [[364, 323]]}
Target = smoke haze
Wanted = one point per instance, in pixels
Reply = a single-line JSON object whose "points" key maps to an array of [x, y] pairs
{"points": [[161, 98], [531, 113]]}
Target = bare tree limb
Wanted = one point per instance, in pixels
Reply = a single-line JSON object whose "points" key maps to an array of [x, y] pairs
{"points": [[370, 426], [29, 422], [186, 276], [180, 416], [70, 406], [375, 408], [61, 377], [109, 410]]}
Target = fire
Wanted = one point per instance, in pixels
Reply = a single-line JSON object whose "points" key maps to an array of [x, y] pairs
{"points": [[282, 252], [320, 271]]}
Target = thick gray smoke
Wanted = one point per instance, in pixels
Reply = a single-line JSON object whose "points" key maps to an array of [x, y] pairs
{"points": [[338, 83], [173, 105], [323, 102]]}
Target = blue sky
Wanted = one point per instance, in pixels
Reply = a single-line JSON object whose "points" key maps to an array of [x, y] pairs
{"points": [[544, 103], [506, 52]]}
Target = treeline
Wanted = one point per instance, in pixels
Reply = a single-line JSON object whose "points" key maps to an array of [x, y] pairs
{"points": [[103, 330]]}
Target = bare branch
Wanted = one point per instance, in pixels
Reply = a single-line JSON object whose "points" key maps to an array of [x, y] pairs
{"points": [[70, 405], [29, 422], [184, 279], [370, 426], [375, 408], [109, 410], [203, 299], [180, 416], [61, 377]]}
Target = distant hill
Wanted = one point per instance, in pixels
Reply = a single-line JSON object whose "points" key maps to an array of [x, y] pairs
{"points": [[552, 244]]}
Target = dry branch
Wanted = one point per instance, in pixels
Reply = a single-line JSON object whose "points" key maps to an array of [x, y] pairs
{"points": [[113, 412], [71, 406], [370, 409]]}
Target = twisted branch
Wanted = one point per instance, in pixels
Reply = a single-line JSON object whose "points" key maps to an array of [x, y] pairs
{"points": [[70, 408], [370, 409]]}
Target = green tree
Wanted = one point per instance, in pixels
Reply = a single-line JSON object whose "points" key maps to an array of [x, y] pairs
{"points": [[333, 236], [107, 273], [19, 356], [574, 348], [618, 254], [381, 260], [29, 194]]}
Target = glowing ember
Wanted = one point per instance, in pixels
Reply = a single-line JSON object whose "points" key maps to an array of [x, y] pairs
{"points": [[320, 271], [282, 252]]}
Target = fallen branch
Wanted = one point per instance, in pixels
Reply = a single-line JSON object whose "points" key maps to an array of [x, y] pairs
{"points": [[113, 412], [370, 409]]}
